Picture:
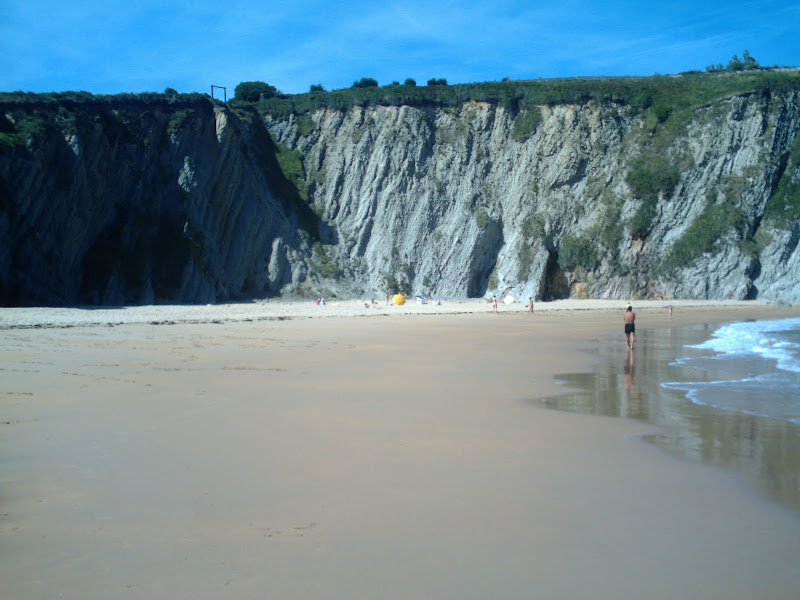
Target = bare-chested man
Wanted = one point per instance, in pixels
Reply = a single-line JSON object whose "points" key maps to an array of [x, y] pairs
{"points": [[630, 326]]}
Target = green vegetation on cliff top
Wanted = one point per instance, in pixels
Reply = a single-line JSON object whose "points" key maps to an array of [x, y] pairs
{"points": [[664, 92], [78, 98]]}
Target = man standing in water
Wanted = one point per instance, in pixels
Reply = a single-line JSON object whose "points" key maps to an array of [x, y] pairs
{"points": [[630, 327]]}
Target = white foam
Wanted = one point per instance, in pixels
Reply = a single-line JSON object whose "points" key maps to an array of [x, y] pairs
{"points": [[760, 338], [761, 395]]}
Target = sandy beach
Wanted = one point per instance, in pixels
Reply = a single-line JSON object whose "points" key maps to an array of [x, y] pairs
{"points": [[289, 450], [269, 310]]}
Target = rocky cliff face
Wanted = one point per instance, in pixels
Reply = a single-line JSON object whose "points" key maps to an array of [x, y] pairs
{"points": [[144, 203], [469, 202], [198, 202]]}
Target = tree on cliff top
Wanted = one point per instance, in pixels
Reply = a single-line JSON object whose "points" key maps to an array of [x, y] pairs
{"points": [[745, 63], [365, 82], [253, 91]]}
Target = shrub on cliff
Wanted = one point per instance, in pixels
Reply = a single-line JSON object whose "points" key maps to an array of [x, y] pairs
{"points": [[482, 218], [577, 252], [323, 263], [702, 235], [179, 119], [783, 206], [365, 82], [662, 111], [745, 63], [291, 165], [253, 91], [526, 123], [647, 181]]}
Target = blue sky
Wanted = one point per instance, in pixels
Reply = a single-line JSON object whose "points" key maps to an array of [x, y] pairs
{"points": [[105, 46]]}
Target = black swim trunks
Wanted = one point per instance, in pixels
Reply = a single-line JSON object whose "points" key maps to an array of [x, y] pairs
{"points": [[630, 328]]}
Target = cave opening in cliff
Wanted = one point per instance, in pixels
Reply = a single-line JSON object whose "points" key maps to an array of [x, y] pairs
{"points": [[555, 286]]}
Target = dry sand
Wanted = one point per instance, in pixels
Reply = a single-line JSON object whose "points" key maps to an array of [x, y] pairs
{"points": [[246, 452], [268, 310]]}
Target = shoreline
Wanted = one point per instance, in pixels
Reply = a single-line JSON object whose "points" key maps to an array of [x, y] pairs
{"points": [[270, 310], [712, 431], [352, 457]]}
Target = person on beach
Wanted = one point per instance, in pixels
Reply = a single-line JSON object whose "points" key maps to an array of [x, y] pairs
{"points": [[530, 303], [670, 312], [494, 304], [630, 326]]}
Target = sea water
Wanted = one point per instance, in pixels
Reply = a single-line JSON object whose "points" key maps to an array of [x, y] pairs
{"points": [[727, 396], [748, 368]]}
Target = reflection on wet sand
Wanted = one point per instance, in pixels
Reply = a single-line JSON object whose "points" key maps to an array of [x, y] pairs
{"points": [[766, 452]]}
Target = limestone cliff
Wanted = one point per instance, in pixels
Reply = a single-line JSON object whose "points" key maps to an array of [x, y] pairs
{"points": [[453, 203], [148, 200], [141, 202]]}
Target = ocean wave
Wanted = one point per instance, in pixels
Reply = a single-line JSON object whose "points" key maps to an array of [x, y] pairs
{"points": [[762, 338], [766, 395]]}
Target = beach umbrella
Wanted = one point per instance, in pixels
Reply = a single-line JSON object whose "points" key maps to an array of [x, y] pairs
{"points": [[399, 299], [509, 299]]}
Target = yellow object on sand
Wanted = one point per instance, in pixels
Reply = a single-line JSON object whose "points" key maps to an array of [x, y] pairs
{"points": [[399, 299]]}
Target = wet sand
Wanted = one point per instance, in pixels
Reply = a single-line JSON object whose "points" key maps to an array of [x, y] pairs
{"points": [[720, 430], [347, 457]]}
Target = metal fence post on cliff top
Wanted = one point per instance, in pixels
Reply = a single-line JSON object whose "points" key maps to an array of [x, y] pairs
{"points": [[224, 92]]}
